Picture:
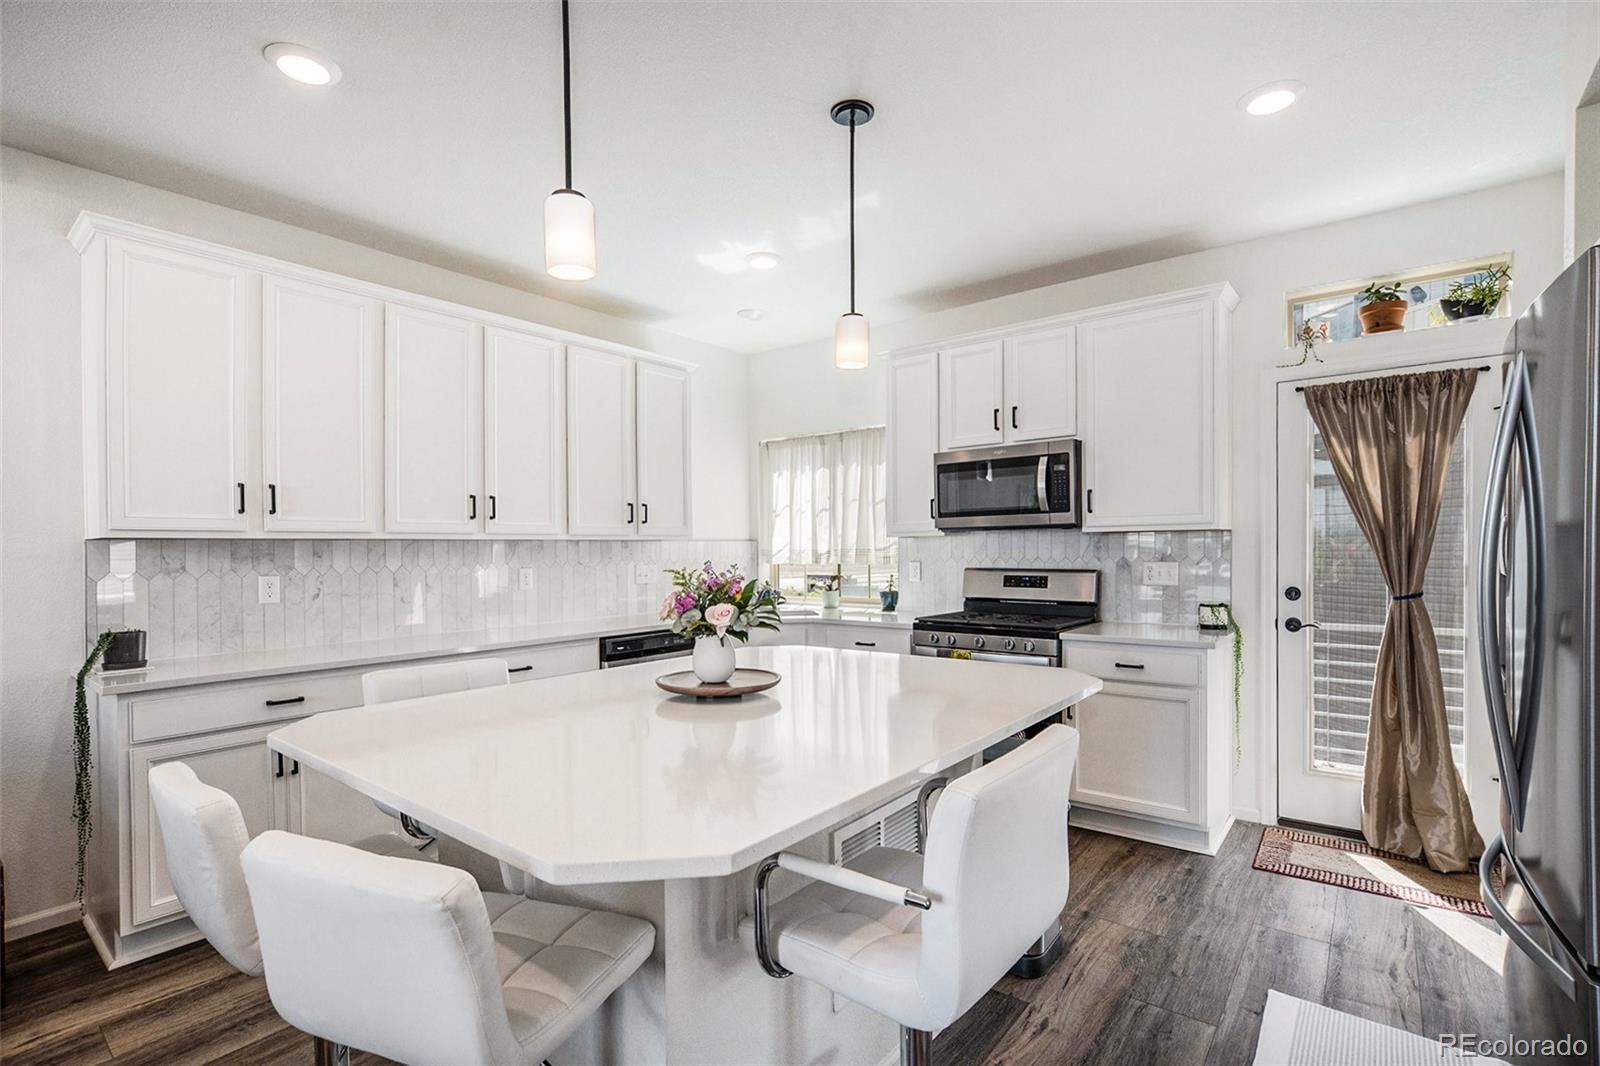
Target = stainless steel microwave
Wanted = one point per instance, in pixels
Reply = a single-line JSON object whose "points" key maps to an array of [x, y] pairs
{"points": [[1008, 486]]}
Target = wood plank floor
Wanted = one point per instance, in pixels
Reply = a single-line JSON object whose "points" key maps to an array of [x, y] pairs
{"points": [[1168, 959]]}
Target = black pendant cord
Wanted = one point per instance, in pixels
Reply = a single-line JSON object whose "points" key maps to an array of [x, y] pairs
{"points": [[566, 86], [852, 213]]}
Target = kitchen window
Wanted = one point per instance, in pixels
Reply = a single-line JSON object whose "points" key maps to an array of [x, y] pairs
{"points": [[825, 518], [1337, 305]]}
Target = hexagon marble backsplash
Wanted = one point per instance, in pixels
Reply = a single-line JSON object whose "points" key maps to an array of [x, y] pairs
{"points": [[1205, 568], [199, 597]]}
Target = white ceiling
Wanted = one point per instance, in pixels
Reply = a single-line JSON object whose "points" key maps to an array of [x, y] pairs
{"points": [[1016, 143]]}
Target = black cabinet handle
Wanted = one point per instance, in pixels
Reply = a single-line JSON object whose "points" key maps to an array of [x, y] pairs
{"points": [[1129, 666], [272, 498], [472, 498], [997, 418], [494, 507], [866, 644], [630, 514], [241, 497], [1070, 715], [644, 510], [1013, 416], [930, 508], [277, 764], [294, 768], [520, 669], [1091, 501], [286, 701]]}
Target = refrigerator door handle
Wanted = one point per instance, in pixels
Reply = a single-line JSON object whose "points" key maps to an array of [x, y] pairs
{"points": [[1489, 606], [1529, 700], [1552, 966]]}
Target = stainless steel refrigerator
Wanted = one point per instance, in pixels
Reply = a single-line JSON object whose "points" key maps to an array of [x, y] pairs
{"points": [[1540, 646]]}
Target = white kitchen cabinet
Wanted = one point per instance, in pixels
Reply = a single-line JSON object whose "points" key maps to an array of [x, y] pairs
{"points": [[913, 438], [1153, 414], [321, 408], [662, 418], [600, 444], [524, 435], [433, 366], [1041, 385], [179, 335], [971, 394], [864, 638]]}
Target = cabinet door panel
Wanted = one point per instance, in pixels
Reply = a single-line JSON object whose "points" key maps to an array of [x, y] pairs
{"points": [[1141, 746], [970, 396], [913, 440], [1041, 380], [180, 339], [600, 444], [525, 434], [321, 408], [1148, 419], [663, 428], [237, 762], [434, 432]]}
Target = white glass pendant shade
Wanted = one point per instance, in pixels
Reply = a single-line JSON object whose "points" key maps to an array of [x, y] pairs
{"points": [[569, 236], [850, 342]]}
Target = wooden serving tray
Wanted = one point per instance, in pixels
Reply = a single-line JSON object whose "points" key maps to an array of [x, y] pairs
{"points": [[742, 683]]}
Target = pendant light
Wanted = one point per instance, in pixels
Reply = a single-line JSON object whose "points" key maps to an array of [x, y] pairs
{"points": [[850, 337], [568, 214]]}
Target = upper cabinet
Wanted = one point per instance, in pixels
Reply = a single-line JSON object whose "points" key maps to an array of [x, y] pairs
{"points": [[321, 408], [433, 419], [913, 438], [662, 419], [524, 435], [971, 393], [628, 447], [179, 334], [1153, 415], [1041, 384]]}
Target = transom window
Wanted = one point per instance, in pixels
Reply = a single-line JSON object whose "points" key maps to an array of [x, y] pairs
{"points": [[1337, 305]]}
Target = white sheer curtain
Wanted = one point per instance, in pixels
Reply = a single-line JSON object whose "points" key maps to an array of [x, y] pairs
{"points": [[826, 499]]}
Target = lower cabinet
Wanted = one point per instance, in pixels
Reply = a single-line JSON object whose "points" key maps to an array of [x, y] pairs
{"points": [[862, 638], [1154, 756]]}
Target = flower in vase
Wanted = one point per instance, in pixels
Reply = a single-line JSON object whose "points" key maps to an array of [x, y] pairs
{"points": [[721, 615]]}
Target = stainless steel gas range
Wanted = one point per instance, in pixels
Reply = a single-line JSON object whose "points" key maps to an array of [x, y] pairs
{"points": [[1013, 616]]}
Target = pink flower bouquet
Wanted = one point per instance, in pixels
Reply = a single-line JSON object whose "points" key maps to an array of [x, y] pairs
{"points": [[719, 603]]}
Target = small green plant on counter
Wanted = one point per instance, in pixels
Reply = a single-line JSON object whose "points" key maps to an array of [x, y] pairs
{"points": [[1380, 294], [83, 759]]}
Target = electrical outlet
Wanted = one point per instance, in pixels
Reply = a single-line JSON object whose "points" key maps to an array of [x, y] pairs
{"points": [[643, 573], [914, 570], [525, 577], [1160, 574], [267, 589]]}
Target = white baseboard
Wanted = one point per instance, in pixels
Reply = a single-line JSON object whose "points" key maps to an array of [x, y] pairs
{"points": [[39, 921], [1248, 814]]}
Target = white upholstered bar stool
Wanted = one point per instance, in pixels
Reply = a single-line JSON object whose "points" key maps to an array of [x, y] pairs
{"points": [[920, 938], [436, 679], [413, 962], [204, 833]]}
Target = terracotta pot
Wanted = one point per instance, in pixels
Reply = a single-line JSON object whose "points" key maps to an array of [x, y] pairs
{"points": [[1384, 317]]}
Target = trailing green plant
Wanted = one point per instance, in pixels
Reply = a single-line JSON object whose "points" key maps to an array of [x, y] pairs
{"points": [[1238, 681], [1484, 294], [1380, 294], [83, 759]]}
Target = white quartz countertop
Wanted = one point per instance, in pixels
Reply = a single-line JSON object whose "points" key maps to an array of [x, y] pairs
{"points": [[1146, 633], [602, 777], [847, 616]]}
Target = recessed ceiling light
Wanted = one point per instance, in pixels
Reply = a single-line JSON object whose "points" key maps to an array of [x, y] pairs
{"points": [[302, 64], [753, 314], [1271, 98], [763, 260]]}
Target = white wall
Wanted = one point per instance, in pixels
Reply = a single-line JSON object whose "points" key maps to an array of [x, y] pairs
{"points": [[1581, 192], [41, 522], [797, 390]]}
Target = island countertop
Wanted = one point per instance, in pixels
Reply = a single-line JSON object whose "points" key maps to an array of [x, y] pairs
{"points": [[602, 777]]}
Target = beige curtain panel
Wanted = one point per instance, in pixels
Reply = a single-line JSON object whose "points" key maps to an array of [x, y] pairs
{"points": [[1390, 440]]}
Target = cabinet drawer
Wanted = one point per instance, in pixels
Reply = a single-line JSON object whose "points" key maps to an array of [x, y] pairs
{"points": [[553, 660], [1133, 662], [867, 638], [207, 708]]}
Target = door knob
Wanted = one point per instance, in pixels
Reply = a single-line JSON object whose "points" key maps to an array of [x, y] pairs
{"points": [[1292, 593], [1294, 625]]}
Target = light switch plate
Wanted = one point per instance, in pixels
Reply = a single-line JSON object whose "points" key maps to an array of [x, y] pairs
{"points": [[914, 570], [268, 589], [1160, 574], [643, 573], [525, 577]]}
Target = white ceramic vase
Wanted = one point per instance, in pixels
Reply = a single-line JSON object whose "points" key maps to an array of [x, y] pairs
{"points": [[713, 659]]}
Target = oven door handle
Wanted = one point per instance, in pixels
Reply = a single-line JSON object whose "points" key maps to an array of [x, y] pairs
{"points": [[1041, 485]]}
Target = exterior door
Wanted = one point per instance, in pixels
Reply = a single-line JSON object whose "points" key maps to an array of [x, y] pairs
{"points": [[663, 445], [1330, 612], [321, 408], [433, 366], [524, 435], [600, 444], [181, 332]]}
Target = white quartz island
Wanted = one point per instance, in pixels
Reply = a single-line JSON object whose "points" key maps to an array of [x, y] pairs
{"points": [[613, 793]]}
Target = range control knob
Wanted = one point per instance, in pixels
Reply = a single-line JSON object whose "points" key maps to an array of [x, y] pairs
{"points": [[933, 638], [1027, 645], [1011, 645], [977, 642], [950, 640]]}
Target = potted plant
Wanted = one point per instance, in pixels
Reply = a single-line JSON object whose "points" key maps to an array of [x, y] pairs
{"points": [[1382, 308], [889, 595], [712, 605], [829, 587], [1482, 296], [1308, 336]]}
